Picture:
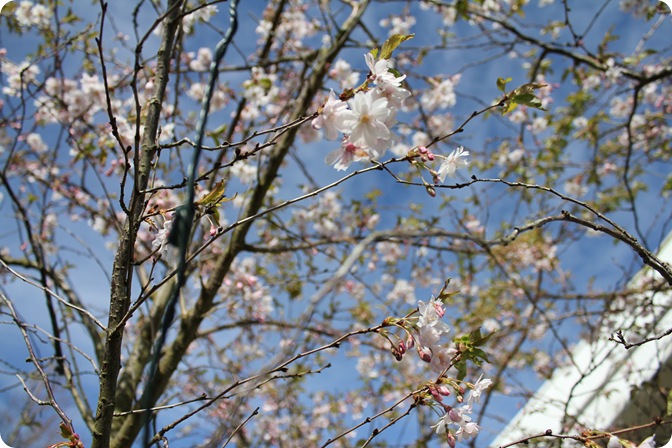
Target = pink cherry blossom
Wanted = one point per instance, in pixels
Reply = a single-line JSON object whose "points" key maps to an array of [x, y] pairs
{"points": [[342, 157]]}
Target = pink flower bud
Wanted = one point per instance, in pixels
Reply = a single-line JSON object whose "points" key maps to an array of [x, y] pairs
{"points": [[430, 156], [396, 353], [450, 438], [435, 394], [402, 347], [425, 355], [455, 415], [443, 390], [410, 343], [422, 149]]}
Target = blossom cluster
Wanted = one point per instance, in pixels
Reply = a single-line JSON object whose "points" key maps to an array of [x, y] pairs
{"points": [[366, 118], [293, 29], [200, 14], [426, 335], [30, 14], [429, 331], [253, 297], [459, 417]]}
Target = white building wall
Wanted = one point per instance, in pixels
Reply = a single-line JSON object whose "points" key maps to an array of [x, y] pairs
{"points": [[596, 389]]}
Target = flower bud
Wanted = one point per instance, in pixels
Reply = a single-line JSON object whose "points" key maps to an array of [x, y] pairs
{"points": [[614, 442], [455, 415], [450, 438], [430, 190], [425, 355], [435, 394], [443, 390]]}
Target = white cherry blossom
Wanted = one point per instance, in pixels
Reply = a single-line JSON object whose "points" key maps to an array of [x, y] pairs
{"points": [[365, 122], [456, 159], [379, 69], [161, 240], [442, 95], [479, 387], [330, 117]]}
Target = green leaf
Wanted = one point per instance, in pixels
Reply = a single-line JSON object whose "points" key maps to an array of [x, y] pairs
{"points": [[421, 55], [217, 134], [394, 71], [483, 340], [527, 88], [509, 106], [462, 9], [522, 95], [447, 295], [266, 83], [213, 200], [479, 356], [215, 195], [461, 370], [214, 215], [668, 183], [392, 43], [468, 345], [502, 82], [70, 17], [527, 99]]}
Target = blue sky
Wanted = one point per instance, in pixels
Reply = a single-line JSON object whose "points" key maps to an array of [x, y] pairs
{"points": [[476, 82]]}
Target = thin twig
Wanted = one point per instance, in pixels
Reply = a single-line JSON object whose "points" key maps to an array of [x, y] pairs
{"points": [[45, 378], [160, 408], [238, 428], [264, 377], [54, 295]]}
